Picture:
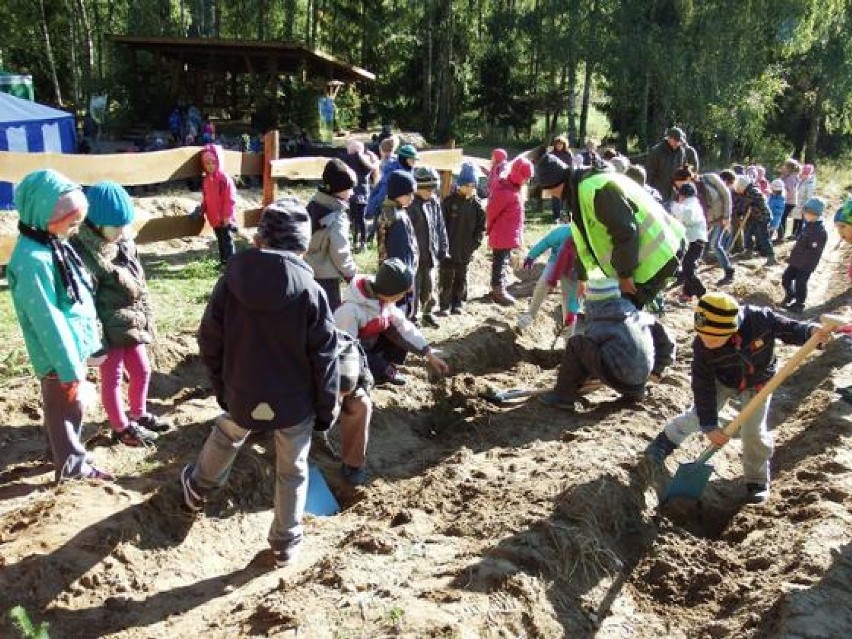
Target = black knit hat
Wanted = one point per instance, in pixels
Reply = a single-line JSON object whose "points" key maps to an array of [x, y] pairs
{"points": [[393, 278], [337, 177], [285, 225], [550, 171], [400, 183], [687, 189]]}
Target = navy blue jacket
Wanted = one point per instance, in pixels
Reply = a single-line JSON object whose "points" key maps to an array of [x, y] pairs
{"points": [[808, 250], [269, 342], [746, 361]]}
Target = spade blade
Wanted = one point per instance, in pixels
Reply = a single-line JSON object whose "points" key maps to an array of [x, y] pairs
{"points": [[689, 481]]}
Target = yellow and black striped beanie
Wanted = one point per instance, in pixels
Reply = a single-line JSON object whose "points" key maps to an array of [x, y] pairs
{"points": [[717, 314]]}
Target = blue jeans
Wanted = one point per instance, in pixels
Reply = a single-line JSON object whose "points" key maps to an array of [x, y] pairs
{"points": [[718, 240], [291, 471]]}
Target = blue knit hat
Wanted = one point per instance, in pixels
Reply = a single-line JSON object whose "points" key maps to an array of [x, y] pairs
{"points": [[815, 205], [467, 174], [109, 205], [603, 289], [400, 183]]}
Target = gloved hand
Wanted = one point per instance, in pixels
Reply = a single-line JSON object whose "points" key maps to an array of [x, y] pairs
{"points": [[220, 399], [528, 263]]}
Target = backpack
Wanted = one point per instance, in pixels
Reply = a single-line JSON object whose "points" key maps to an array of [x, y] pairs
{"points": [[711, 200]]}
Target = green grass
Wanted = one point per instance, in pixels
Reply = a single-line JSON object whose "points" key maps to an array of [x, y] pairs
{"points": [[180, 292]]}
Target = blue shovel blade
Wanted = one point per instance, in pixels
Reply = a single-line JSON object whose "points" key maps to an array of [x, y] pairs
{"points": [[320, 502], [689, 481]]}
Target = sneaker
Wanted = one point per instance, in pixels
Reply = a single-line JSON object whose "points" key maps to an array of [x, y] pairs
{"points": [[354, 475], [757, 493], [660, 448], [524, 321], [96, 473], [555, 401], [429, 320], [442, 312], [286, 555], [150, 422], [135, 435], [192, 495], [456, 310], [729, 277], [796, 308]]}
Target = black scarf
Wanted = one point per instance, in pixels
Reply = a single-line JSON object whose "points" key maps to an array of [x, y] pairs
{"points": [[65, 258]]}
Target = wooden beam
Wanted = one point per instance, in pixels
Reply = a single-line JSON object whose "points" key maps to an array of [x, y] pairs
{"points": [[128, 169], [271, 151], [310, 168]]}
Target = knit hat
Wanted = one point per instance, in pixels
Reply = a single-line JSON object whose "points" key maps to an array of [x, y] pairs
{"points": [[741, 183], [408, 151], [285, 225], [602, 289], [815, 205], [426, 177], [683, 173], [337, 177], [844, 213], [550, 171], [393, 278], [109, 205], [467, 174], [636, 172], [521, 171], [776, 185], [676, 133], [738, 169], [354, 146], [498, 156], [687, 189], [400, 183], [717, 314]]}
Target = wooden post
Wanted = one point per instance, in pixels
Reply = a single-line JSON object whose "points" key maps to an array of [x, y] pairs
{"points": [[270, 153], [447, 176]]}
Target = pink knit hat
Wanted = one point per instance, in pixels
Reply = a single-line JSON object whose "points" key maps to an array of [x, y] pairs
{"points": [[499, 155], [521, 171]]}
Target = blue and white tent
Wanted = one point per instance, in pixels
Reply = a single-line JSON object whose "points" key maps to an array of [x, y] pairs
{"points": [[29, 127]]}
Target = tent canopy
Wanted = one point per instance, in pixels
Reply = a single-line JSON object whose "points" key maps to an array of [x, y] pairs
{"points": [[29, 127]]}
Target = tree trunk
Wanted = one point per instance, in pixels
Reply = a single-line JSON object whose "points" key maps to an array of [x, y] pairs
{"points": [[289, 19], [584, 107], [809, 152], [99, 34], [427, 70], [446, 81], [645, 113], [72, 51], [88, 50], [51, 61], [569, 73]]}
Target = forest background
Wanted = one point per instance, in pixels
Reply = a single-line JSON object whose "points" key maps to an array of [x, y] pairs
{"points": [[758, 79]]}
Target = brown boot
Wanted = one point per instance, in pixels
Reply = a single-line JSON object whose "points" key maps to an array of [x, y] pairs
{"points": [[501, 297]]}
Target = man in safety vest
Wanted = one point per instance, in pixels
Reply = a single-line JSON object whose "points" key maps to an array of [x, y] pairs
{"points": [[619, 229]]}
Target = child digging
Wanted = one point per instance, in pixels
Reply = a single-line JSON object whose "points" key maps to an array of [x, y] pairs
{"points": [[464, 218], [124, 310], [805, 256], [733, 357], [53, 299]]}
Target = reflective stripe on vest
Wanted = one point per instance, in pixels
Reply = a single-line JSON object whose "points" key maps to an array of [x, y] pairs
{"points": [[660, 235]]}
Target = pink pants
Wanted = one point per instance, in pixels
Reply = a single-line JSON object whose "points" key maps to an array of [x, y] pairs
{"points": [[134, 359]]}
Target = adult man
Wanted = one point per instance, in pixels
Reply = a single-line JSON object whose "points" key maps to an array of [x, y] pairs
{"points": [[619, 229], [667, 156]]}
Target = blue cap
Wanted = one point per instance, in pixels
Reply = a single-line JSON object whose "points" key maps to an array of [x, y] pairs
{"points": [[467, 174], [815, 205]]}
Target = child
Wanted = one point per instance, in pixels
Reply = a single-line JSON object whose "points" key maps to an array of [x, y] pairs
{"points": [[431, 234], [124, 310], [804, 192], [370, 314], [563, 152], [364, 165], [52, 295], [775, 201], [219, 197], [734, 355], [394, 232], [760, 180], [553, 242], [804, 257], [621, 346], [406, 160], [329, 252], [464, 219], [505, 225], [499, 162], [757, 226], [843, 224], [790, 175], [268, 340], [687, 209]]}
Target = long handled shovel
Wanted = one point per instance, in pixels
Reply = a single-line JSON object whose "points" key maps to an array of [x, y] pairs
{"points": [[741, 230], [691, 478]]}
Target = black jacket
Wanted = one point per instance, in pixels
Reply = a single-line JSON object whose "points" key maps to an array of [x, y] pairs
{"points": [[746, 361], [808, 250], [465, 223], [661, 163], [755, 201], [269, 342], [429, 229]]}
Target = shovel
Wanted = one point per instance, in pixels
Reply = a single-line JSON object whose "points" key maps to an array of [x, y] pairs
{"points": [[691, 478], [505, 396]]}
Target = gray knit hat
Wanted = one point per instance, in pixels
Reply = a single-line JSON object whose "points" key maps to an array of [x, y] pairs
{"points": [[285, 225]]}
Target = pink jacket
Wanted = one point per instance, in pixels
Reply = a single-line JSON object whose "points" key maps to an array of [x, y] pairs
{"points": [[219, 195], [505, 216]]}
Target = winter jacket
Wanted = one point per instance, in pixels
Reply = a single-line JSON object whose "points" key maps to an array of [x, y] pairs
{"points": [[715, 198], [329, 253], [121, 294], [59, 334], [753, 200], [808, 249], [775, 202], [661, 163], [552, 242], [464, 219], [395, 236], [494, 176], [366, 318], [791, 184], [219, 193], [631, 344], [379, 193], [363, 170], [804, 192], [429, 230], [689, 213], [504, 216], [269, 342], [746, 361]]}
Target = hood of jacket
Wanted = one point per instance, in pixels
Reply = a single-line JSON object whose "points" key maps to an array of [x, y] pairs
{"points": [[612, 310], [356, 292], [37, 194], [265, 280], [219, 153], [325, 210]]}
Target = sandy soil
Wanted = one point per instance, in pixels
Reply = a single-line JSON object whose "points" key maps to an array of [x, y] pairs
{"points": [[479, 520]]}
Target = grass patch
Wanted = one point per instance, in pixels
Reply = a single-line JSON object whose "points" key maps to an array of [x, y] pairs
{"points": [[179, 292]]}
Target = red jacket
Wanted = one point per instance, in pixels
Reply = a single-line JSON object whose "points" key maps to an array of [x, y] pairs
{"points": [[505, 216], [219, 193]]}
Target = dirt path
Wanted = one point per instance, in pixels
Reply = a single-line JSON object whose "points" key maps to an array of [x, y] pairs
{"points": [[479, 521]]}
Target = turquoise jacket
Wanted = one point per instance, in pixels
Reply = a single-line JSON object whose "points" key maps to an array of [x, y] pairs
{"points": [[552, 242], [59, 335]]}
